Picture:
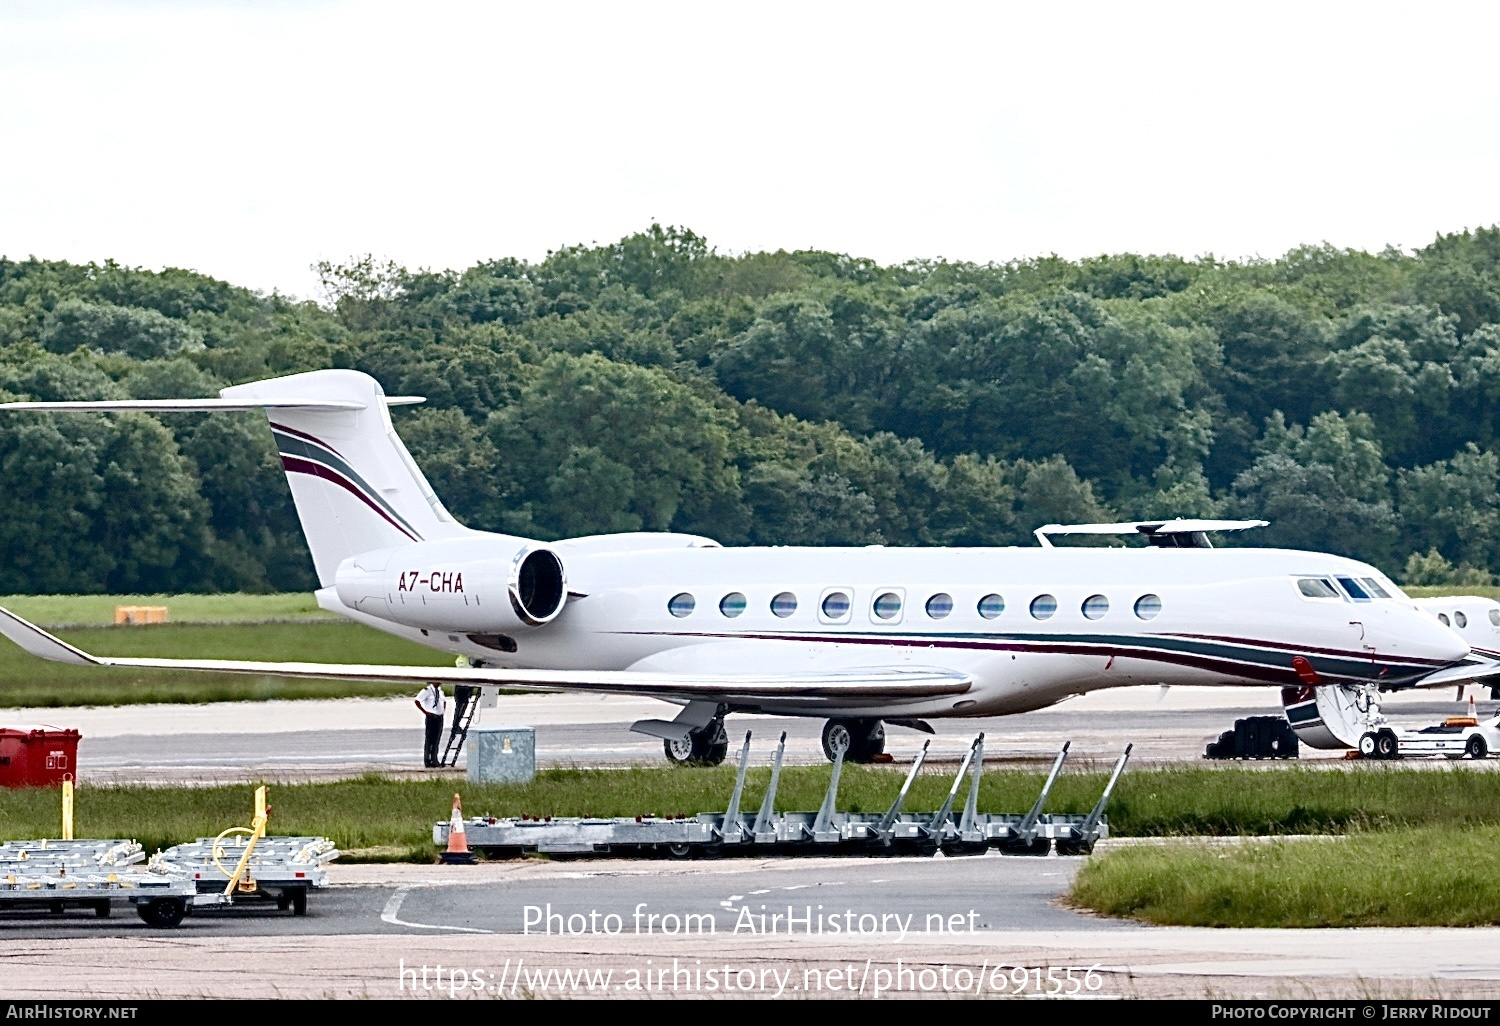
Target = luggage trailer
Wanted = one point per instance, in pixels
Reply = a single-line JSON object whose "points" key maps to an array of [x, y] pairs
{"points": [[823, 832], [56, 876], [99, 875], [279, 869], [160, 898], [242, 862]]}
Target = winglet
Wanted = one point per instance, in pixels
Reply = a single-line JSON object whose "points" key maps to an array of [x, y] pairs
{"points": [[41, 644]]}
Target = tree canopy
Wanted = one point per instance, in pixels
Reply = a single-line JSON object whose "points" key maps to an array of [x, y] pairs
{"points": [[1352, 399]]}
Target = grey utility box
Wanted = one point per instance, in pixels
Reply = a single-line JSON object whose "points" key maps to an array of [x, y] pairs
{"points": [[502, 754]]}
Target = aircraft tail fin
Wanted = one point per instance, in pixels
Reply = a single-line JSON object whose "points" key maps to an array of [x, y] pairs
{"points": [[355, 486]]}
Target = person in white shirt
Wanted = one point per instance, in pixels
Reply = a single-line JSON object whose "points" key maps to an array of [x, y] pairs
{"points": [[430, 701]]}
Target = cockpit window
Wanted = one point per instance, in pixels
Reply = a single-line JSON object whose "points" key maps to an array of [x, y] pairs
{"points": [[1374, 587], [1316, 587], [1356, 592]]}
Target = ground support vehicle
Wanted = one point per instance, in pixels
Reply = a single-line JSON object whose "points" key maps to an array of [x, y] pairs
{"points": [[1457, 737], [823, 832]]}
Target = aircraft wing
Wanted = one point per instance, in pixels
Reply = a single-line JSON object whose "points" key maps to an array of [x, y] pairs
{"points": [[1485, 670], [830, 686]]}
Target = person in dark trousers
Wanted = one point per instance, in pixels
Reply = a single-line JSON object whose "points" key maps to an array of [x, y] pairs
{"points": [[463, 694], [430, 701]]}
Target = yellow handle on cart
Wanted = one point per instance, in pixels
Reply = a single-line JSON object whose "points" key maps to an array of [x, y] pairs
{"points": [[256, 830]]}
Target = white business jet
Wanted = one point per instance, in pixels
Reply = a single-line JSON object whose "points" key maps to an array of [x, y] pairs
{"points": [[862, 637]]}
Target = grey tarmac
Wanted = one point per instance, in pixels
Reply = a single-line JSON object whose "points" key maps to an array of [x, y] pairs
{"points": [[399, 931]]}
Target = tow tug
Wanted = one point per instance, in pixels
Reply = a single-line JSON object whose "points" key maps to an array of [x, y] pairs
{"points": [[1350, 717], [1457, 737]]}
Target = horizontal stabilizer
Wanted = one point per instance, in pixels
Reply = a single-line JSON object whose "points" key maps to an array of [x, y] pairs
{"points": [[840, 686], [41, 644], [199, 405]]}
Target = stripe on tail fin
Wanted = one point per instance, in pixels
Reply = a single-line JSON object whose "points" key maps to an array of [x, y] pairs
{"points": [[355, 485]]}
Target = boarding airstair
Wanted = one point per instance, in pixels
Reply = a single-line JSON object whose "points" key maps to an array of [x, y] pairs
{"points": [[460, 730]]}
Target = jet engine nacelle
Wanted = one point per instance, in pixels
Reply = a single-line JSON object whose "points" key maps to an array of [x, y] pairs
{"points": [[484, 585]]}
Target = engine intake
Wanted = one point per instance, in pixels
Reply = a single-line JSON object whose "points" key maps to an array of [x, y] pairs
{"points": [[537, 585]]}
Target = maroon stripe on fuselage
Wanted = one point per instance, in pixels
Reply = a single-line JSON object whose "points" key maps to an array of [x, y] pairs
{"points": [[295, 465], [1289, 647]]}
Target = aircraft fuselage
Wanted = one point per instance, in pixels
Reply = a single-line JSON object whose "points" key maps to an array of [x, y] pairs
{"points": [[1032, 626]]}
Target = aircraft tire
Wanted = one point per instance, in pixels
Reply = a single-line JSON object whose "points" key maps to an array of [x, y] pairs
{"points": [[1367, 745], [1386, 745], [162, 913], [862, 740], [706, 747], [957, 848], [712, 744], [838, 735]]}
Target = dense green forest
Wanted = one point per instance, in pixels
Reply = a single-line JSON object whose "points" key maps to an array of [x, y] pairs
{"points": [[1351, 399]]}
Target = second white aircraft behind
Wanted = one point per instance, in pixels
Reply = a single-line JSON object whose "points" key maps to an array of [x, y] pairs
{"points": [[862, 637]]}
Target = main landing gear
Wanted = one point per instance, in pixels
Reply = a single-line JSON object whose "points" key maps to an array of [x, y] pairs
{"points": [[705, 747], [860, 740]]}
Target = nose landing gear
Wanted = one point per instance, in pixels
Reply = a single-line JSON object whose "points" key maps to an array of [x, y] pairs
{"points": [[1379, 744]]}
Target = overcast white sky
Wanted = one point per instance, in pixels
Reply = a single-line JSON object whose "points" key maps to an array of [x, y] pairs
{"points": [[248, 140]]}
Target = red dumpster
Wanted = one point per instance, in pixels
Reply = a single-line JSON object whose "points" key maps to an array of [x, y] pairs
{"points": [[37, 756]]}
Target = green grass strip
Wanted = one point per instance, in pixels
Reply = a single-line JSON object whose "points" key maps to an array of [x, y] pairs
{"points": [[99, 610], [1421, 876], [395, 815]]}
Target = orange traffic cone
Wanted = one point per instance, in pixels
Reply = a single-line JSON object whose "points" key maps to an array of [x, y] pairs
{"points": [[458, 843]]}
